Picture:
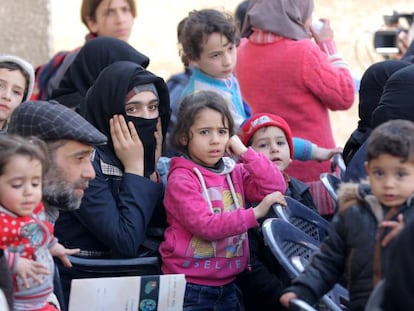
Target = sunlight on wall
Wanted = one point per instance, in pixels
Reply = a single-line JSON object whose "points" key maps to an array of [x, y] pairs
{"points": [[154, 34]]}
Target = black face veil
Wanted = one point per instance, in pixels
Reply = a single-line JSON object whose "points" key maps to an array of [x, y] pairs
{"points": [[107, 97]]}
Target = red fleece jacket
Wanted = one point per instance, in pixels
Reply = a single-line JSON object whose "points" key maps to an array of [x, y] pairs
{"points": [[300, 82]]}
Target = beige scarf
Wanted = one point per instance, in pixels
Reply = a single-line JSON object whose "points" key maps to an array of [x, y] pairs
{"points": [[282, 17]]}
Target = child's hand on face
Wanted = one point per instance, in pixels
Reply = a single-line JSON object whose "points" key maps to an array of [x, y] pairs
{"points": [[235, 146], [396, 226], [27, 268], [58, 250], [263, 207]]}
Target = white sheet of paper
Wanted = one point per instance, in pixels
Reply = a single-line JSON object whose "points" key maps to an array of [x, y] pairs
{"points": [[123, 293]]}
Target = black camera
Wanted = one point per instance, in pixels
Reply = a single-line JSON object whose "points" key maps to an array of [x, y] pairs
{"points": [[386, 39]]}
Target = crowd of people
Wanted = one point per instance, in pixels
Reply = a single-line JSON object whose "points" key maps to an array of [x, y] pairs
{"points": [[100, 158]]}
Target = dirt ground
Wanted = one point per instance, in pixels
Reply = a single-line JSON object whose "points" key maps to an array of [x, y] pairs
{"points": [[154, 34]]}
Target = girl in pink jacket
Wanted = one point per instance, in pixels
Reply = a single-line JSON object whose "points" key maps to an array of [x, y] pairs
{"points": [[205, 202]]}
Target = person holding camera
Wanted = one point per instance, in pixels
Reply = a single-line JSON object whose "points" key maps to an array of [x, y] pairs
{"points": [[393, 40]]}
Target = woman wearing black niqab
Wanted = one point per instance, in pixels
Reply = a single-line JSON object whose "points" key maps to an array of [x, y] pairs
{"points": [[121, 214]]}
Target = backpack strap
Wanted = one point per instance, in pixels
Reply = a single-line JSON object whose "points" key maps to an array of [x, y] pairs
{"points": [[44, 73]]}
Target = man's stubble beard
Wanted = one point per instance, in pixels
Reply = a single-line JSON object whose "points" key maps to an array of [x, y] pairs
{"points": [[59, 193]]}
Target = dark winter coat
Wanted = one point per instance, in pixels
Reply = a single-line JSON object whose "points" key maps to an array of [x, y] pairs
{"points": [[349, 249], [263, 283]]}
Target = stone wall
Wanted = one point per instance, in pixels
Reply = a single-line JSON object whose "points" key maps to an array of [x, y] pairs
{"points": [[35, 29], [25, 29]]}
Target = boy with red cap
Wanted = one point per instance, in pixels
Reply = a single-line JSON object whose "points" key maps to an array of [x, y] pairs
{"points": [[271, 135], [262, 285]]}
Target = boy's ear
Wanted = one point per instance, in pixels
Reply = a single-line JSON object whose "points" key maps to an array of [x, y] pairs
{"points": [[92, 25], [366, 166]]}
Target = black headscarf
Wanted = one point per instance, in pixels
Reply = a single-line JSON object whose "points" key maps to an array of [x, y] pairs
{"points": [[91, 59], [397, 100], [372, 84], [107, 97]]}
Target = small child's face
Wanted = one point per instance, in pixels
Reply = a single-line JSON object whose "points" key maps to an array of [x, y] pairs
{"points": [[12, 87], [208, 138], [271, 141], [21, 185], [392, 181], [218, 57]]}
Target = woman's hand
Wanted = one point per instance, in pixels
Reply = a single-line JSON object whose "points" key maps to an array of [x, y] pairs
{"points": [[158, 140], [158, 149], [325, 33], [127, 145]]}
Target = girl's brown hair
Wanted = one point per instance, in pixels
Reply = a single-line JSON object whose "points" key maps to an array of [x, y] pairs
{"points": [[31, 147]]}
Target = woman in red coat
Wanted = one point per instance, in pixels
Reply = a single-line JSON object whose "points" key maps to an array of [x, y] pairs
{"points": [[282, 71]]}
